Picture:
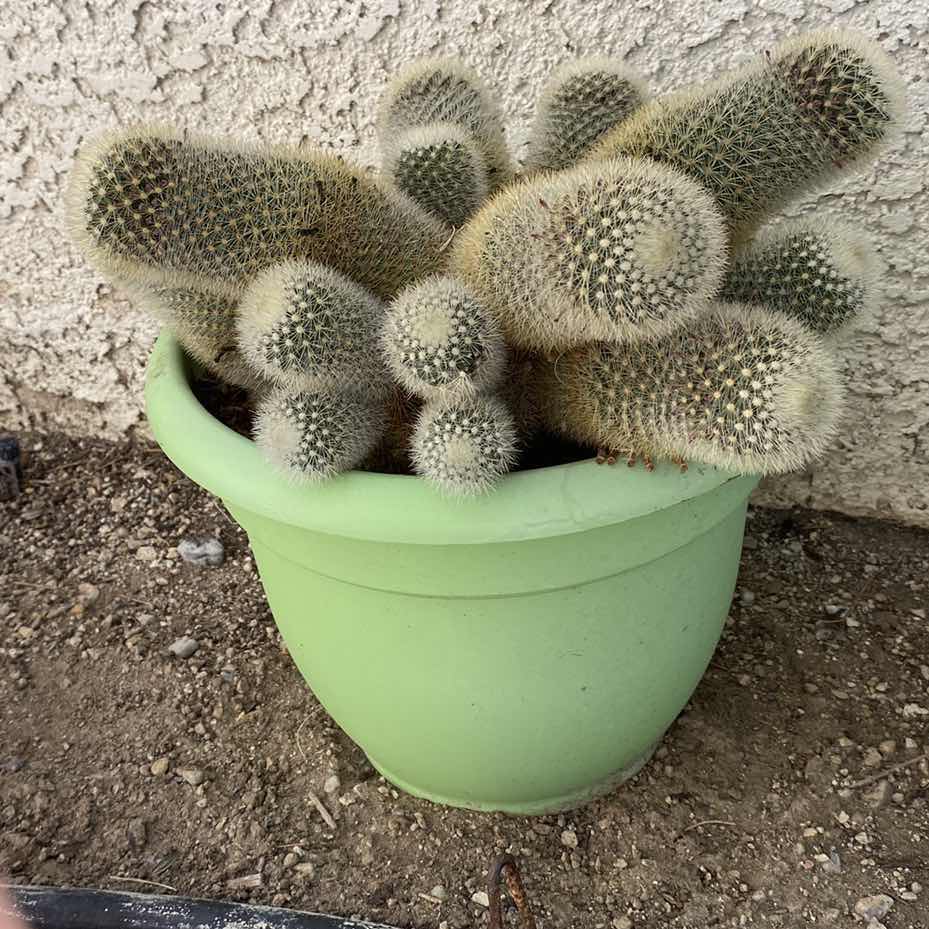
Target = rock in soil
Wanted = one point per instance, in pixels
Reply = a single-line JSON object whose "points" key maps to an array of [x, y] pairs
{"points": [[202, 552]]}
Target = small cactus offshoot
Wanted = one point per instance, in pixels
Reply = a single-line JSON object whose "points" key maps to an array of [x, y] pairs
{"points": [[822, 274], [739, 388], [437, 337], [464, 443], [445, 90], [304, 325], [162, 208], [818, 104], [441, 168], [312, 435], [579, 103], [205, 325], [617, 250]]}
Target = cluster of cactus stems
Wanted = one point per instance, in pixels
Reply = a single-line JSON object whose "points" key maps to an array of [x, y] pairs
{"points": [[455, 307]]}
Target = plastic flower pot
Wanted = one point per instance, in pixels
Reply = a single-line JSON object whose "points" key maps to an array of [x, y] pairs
{"points": [[524, 651]]}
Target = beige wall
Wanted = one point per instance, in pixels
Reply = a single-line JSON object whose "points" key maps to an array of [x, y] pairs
{"points": [[72, 353]]}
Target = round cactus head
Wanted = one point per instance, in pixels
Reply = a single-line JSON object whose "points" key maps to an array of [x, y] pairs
{"points": [[441, 168], [312, 435], [581, 101], [437, 337], [302, 324], [445, 90], [616, 250], [464, 443], [821, 274]]}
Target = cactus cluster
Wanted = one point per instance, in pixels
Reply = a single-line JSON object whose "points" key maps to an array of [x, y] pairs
{"points": [[580, 102], [437, 314]]}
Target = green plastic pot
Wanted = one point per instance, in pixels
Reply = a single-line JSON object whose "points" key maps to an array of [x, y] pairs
{"points": [[522, 652]]}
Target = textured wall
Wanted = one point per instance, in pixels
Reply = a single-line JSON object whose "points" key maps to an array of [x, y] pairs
{"points": [[72, 352]]}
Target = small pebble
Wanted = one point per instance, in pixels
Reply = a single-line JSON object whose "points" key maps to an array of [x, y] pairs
{"points": [[569, 838], [439, 892], [146, 553], [833, 609], [872, 758], [332, 784], [622, 922], [306, 869], [747, 598], [184, 647], [481, 898], [193, 776], [160, 766], [87, 594], [290, 859], [208, 551], [887, 747], [877, 906]]}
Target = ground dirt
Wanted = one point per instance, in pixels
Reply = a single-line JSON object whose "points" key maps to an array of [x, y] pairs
{"points": [[795, 783]]}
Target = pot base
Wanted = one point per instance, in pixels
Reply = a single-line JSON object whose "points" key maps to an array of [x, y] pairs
{"points": [[562, 804]]}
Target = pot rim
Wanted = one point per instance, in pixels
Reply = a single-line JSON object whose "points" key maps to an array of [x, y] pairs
{"points": [[564, 499]]}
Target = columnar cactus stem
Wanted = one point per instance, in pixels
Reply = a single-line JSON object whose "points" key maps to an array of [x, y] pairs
{"points": [[169, 209], [445, 90], [817, 105], [739, 388], [580, 102], [616, 250], [820, 273], [304, 325]]}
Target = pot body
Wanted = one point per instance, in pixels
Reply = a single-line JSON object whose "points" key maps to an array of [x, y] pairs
{"points": [[523, 656]]}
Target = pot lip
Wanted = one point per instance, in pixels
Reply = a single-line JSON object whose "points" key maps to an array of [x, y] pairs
{"points": [[545, 502]]}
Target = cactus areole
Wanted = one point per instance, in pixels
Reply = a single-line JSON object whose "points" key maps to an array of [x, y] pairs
{"points": [[495, 653]]}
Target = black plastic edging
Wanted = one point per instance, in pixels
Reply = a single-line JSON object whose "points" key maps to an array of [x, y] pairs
{"points": [[53, 908]]}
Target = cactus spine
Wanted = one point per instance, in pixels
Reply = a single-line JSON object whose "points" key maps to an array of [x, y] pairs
{"points": [[437, 337], [822, 274], [445, 90], [580, 102], [756, 139], [304, 325], [166, 209], [616, 250], [463, 443], [312, 435], [205, 325], [441, 168], [738, 388]]}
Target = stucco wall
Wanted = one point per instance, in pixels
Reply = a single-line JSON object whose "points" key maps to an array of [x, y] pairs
{"points": [[72, 352]]}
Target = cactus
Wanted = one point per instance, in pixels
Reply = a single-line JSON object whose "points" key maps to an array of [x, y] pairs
{"points": [[579, 103], [821, 274], [739, 388], [205, 325], [445, 90], [437, 337], [167, 209], [822, 102], [463, 443], [312, 435], [616, 250], [307, 326], [440, 168]]}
